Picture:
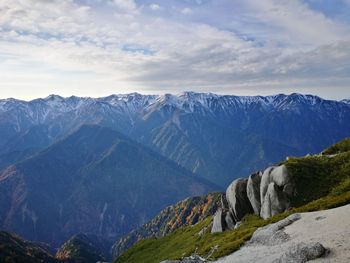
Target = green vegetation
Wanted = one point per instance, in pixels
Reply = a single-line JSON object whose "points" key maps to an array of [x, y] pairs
{"points": [[186, 212], [318, 176], [187, 241], [340, 147], [322, 182]]}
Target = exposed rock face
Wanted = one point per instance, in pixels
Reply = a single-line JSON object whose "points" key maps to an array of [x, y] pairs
{"points": [[218, 225], [276, 189], [229, 221], [274, 202], [222, 221], [302, 252], [253, 191], [264, 193], [238, 202], [273, 234]]}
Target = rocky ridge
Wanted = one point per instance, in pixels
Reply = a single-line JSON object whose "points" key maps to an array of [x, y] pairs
{"points": [[264, 193], [83, 248], [185, 213], [189, 128], [15, 249]]}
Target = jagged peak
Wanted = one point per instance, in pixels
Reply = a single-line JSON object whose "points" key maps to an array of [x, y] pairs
{"points": [[187, 101], [54, 97]]}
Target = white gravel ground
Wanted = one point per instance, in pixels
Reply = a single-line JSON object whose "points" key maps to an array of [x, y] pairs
{"points": [[331, 228]]}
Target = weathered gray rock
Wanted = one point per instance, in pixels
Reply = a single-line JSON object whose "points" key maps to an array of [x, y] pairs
{"points": [[218, 221], [265, 194], [273, 234], [229, 221], [302, 252], [222, 221], [276, 190], [224, 203], [238, 202], [275, 202], [253, 191]]}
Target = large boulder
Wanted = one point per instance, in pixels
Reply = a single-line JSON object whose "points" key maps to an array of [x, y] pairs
{"points": [[302, 252], [238, 202], [265, 194], [222, 221], [275, 202], [229, 221], [276, 190], [273, 234], [253, 191], [218, 222]]}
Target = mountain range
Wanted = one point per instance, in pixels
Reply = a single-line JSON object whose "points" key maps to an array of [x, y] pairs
{"points": [[210, 135], [105, 166], [94, 181]]}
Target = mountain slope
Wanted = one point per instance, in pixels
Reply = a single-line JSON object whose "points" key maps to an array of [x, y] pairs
{"points": [[94, 181], [216, 137], [15, 249], [83, 249], [186, 212], [322, 182]]}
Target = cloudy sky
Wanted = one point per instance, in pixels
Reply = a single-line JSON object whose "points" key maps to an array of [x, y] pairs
{"points": [[243, 47]]}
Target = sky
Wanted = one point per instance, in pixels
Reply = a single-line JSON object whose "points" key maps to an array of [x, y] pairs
{"points": [[242, 47]]}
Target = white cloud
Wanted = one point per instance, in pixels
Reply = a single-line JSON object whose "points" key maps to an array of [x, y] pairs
{"points": [[186, 11], [297, 23], [155, 7], [75, 49], [125, 4]]}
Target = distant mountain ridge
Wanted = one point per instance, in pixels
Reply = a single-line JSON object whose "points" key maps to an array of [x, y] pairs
{"points": [[94, 181], [211, 135]]}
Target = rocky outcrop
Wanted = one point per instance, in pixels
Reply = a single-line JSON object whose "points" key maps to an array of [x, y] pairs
{"points": [[302, 252], [276, 190], [218, 222], [83, 248], [263, 193], [253, 191], [274, 202], [238, 202], [222, 221], [273, 234]]}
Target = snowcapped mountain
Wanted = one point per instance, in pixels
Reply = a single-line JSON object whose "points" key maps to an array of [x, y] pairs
{"points": [[118, 160], [211, 135], [39, 111]]}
